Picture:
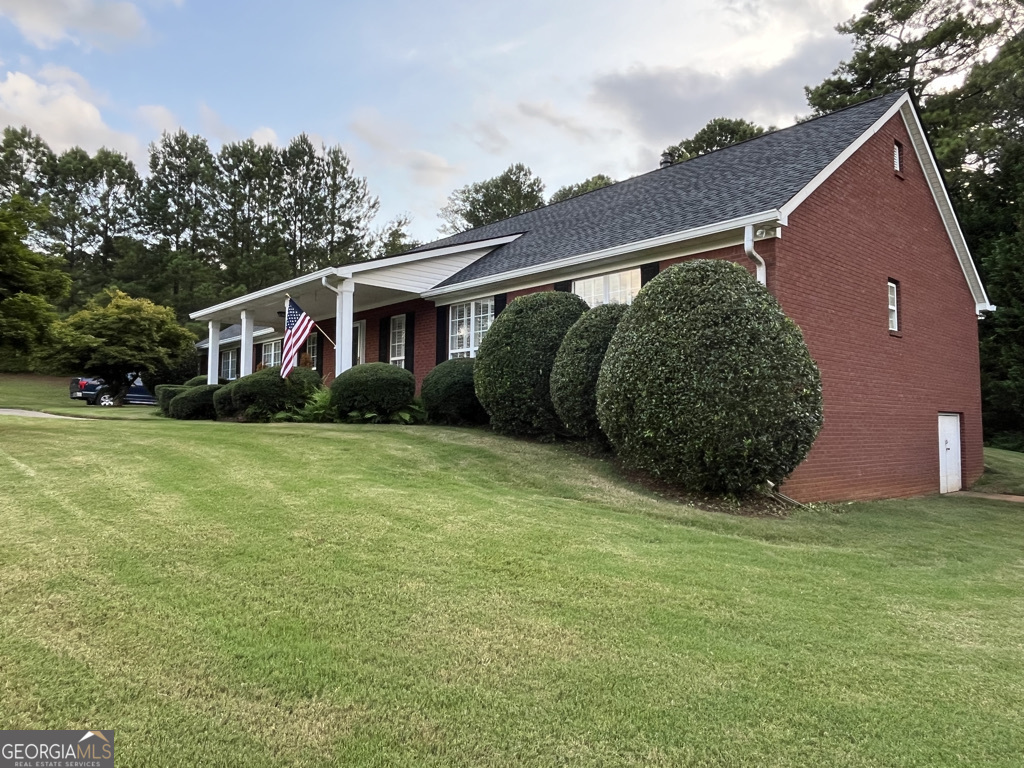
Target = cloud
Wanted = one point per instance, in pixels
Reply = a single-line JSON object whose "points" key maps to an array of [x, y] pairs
{"points": [[100, 23], [159, 118], [667, 104], [546, 112], [390, 145], [61, 112], [214, 126], [489, 137], [264, 135]]}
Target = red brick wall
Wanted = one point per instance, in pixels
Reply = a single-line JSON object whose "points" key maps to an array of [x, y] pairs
{"points": [[882, 393], [525, 291]]}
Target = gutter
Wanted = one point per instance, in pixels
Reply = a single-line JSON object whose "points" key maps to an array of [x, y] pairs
{"points": [[748, 248]]}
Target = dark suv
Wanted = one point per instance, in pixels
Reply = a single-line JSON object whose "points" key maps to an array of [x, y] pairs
{"points": [[93, 392]]}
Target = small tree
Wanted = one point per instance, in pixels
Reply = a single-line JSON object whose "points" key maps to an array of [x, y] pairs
{"points": [[116, 337], [513, 365], [707, 384]]}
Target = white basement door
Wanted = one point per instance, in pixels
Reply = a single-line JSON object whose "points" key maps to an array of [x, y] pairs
{"points": [[949, 452]]}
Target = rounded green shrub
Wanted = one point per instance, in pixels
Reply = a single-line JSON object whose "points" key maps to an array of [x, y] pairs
{"points": [[223, 402], [197, 381], [513, 364], [577, 365], [261, 395], [372, 388], [194, 403], [448, 394], [707, 384], [164, 393]]}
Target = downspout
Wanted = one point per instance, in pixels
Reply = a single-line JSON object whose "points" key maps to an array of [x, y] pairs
{"points": [[748, 248]]}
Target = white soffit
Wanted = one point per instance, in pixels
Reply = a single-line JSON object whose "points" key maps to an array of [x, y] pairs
{"points": [[417, 276]]}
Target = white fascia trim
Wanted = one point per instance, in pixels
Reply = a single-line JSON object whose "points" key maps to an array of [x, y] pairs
{"points": [[905, 107], [764, 217], [945, 206], [202, 344], [349, 270]]}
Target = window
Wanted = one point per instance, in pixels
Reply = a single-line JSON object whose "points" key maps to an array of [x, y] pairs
{"points": [[616, 288], [467, 324], [312, 346], [894, 306], [897, 157], [229, 364], [397, 346], [271, 353]]}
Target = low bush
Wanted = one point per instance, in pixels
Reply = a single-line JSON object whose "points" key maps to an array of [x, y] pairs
{"points": [[198, 381], [707, 384], [263, 394], [375, 392], [513, 365], [194, 403], [164, 393], [223, 402], [449, 396], [577, 365]]}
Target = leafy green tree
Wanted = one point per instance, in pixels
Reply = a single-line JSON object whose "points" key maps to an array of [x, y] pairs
{"points": [[348, 209], [24, 158], [393, 239], [512, 192], [911, 44], [117, 337], [72, 190], [303, 208], [717, 134], [30, 283], [574, 190]]}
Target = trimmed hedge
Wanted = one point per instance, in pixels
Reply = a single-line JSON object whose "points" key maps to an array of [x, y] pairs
{"points": [[514, 361], [223, 402], [577, 365], [377, 388], [707, 384], [261, 395], [197, 381], [448, 394], [164, 393], [194, 403]]}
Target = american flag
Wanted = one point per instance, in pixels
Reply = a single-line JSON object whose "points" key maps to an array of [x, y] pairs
{"points": [[297, 325]]}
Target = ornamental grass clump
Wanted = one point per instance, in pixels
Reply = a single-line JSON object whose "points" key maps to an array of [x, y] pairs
{"points": [[449, 396], [577, 365], [514, 361], [707, 384]]}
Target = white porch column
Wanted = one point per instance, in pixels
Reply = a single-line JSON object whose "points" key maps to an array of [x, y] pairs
{"points": [[245, 355], [213, 359], [343, 327]]}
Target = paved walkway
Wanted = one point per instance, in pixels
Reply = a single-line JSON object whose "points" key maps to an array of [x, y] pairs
{"points": [[993, 496], [35, 414]]}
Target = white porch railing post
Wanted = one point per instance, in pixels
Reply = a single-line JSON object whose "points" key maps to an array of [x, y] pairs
{"points": [[213, 360], [343, 327], [245, 355]]}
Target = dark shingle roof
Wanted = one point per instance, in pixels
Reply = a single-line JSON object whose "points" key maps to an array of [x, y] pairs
{"points": [[757, 175]]}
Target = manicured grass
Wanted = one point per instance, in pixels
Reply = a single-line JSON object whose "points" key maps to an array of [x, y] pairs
{"points": [[1004, 472], [49, 394], [227, 594]]}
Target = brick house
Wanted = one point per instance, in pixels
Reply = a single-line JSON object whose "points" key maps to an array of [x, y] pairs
{"points": [[845, 218]]}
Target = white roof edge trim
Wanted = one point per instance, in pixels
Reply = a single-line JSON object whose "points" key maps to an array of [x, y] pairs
{"points": [[905, 107], [773, 216], [346, 272], [945, 206]]}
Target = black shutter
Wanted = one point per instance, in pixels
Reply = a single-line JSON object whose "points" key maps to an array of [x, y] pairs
{"points": [[384, 343], [441, 348], [320, 353], [648, 272], [565, 286], [500, 302], [410, 340]]}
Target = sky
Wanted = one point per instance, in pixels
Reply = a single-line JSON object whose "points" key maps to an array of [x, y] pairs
{"points": [[425, 97]]}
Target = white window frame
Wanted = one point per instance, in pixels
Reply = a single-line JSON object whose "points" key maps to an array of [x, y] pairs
{"points": [[894, 306], [396, 341], [271, 353], [603, 286], [229, 364], [311, 349], [468, 322]]}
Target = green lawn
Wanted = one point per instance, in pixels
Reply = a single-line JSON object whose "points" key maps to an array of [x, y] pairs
{"points": [[50, 394], [226, 594], [1004, 472]]}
